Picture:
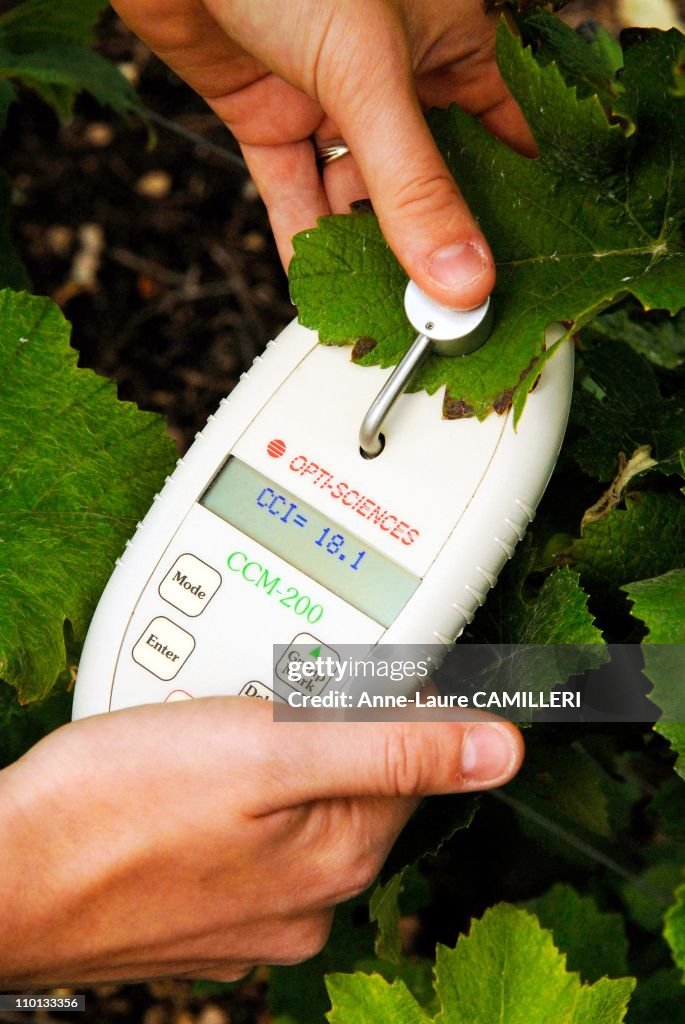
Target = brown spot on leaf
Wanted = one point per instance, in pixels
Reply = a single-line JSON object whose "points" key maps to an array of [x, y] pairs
{"points": [[456, 408], [502, 403], [524, 373], [362, 347]]}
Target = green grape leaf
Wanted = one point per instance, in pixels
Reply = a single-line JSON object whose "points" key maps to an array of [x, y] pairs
{"points": [[547, 632], [405, 893], [506, 969], [385, 912], [674, 929], [674, 732], [33, 20], [369, 999], [556, 636], [416, 974], [664, 667], [517, 612], [559, 613], [651, 333], [622, 409], [645, 539], [78, 468], [589, 61], [433, 824], [598, 216], [660, 604], [594, 942], [45, 46]]}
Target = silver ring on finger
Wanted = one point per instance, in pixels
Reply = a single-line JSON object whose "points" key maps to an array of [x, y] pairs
{"points": [[326, 155]]}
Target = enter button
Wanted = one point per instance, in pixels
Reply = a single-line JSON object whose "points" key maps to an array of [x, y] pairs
{"points": [[163, 648], [190, 584]]}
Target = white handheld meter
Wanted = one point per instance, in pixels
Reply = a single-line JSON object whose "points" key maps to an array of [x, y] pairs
{"points": [[275, 529]]}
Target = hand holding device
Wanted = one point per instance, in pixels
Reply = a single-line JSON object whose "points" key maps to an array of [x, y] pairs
{"points": [[197, 840]]}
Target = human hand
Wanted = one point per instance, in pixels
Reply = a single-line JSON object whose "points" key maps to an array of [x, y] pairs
{"points": [[200, 838], [279, 74]]}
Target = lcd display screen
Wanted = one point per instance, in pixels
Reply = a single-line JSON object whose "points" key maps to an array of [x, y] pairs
{"points": [[311, 542]]}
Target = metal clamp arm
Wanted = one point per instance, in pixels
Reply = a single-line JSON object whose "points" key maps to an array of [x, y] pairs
{"points": [[448, 332], [370, 431]]}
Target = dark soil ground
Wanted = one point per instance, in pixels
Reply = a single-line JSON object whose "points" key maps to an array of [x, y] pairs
{"points": [[161, 256], [163, 260]]}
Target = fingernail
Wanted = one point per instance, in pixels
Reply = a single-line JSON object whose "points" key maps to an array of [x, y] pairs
{"points": [[457, 266], [488, 754]]}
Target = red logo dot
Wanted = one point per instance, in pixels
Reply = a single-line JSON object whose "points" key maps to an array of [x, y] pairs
{"points": [[276, 448]]}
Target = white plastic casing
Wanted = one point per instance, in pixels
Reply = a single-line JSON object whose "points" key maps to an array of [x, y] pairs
{"points": [[459, 495]]}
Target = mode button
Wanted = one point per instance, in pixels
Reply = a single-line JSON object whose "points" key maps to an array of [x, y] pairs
{"points": [[190, 584]]}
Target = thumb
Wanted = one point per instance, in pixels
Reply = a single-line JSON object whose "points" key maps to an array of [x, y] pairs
{"points": [[421, 211], [324, 760]]}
